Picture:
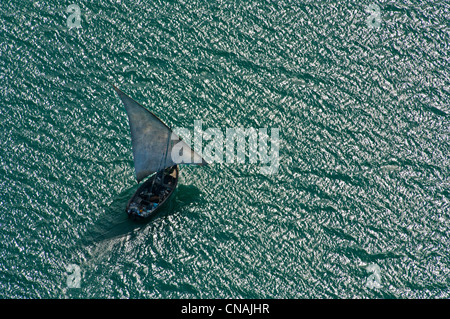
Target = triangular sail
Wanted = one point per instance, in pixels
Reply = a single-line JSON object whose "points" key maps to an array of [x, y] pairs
{"points": [[152, 140]]}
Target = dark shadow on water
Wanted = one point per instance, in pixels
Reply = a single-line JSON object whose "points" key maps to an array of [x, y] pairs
{"points": [[187, 194], [115, 223]]}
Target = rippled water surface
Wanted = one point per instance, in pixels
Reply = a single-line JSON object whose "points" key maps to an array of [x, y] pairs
{"points": [[359, 206]]}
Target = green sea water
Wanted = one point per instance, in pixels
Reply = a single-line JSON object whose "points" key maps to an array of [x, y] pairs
{"points": [[358, 208]]}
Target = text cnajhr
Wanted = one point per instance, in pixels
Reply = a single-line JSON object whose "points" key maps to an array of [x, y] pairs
{"points": [[248, 309]]}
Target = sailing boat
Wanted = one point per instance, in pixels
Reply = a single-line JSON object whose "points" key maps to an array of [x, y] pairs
{"points": [[152, 143]]}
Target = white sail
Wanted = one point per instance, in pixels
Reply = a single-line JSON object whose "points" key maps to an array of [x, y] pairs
{"points": [[152, 140]]}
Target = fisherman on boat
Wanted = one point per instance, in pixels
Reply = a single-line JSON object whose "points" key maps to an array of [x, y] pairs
{"points": [[152, 194]]}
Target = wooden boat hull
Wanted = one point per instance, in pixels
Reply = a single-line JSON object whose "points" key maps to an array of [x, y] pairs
{"points": [[152, 194]]}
